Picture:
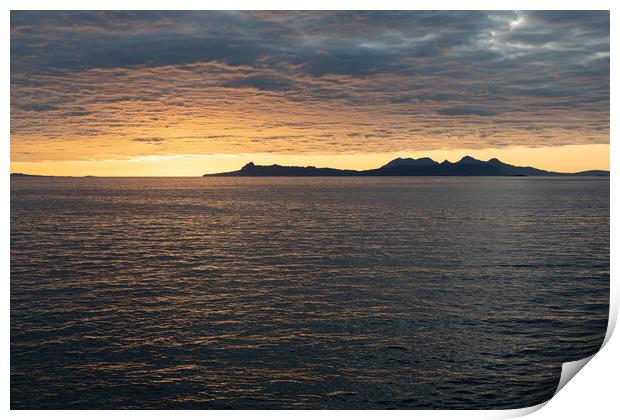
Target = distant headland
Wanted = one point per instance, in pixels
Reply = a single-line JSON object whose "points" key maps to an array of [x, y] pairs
{"points": [[22, 175], [467, 166], [19, 174]]}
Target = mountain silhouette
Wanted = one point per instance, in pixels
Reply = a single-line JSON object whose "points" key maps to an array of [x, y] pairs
{"points": [[276, 170], [467, 166], [409, 162]]}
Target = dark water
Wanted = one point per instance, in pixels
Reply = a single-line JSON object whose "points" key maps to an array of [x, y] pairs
{"points": [[303, 293]]}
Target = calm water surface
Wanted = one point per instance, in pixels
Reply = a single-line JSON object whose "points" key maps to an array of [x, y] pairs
{"points": [[303, 292]]}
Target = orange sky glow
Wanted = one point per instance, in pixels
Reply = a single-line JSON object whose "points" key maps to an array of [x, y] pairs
{"points": [[561, 159]]}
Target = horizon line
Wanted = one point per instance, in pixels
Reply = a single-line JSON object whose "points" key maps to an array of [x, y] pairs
{"points": [[304, 166]]}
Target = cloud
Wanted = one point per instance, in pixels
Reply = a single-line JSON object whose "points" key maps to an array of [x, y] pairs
{"points": [[467, 111], [262, 82], [37, 107], [149, 139], [99, 83]]}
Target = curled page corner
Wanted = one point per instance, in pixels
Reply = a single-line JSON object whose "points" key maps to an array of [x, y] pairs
{"points": [[569, 370]]}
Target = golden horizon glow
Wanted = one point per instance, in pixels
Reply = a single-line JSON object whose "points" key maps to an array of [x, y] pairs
{"points": [[569, 158]]}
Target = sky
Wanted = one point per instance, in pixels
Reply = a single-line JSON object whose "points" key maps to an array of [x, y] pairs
{"points": [[150, 93]]}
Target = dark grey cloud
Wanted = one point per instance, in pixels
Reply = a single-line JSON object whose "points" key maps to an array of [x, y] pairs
{"points": [[467, 111], [76, 113], [37, 107], [315, 42]]}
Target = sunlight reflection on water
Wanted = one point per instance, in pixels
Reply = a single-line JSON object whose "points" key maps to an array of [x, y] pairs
{"points": [[303, 292]]}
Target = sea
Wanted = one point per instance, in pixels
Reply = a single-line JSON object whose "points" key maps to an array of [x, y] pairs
{"points": [[303, 293]]}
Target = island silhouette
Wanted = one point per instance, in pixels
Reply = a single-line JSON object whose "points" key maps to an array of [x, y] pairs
{"points": [[467, 166]]}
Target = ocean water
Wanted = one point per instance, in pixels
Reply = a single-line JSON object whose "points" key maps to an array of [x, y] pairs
{"points": [[312, 293]]}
